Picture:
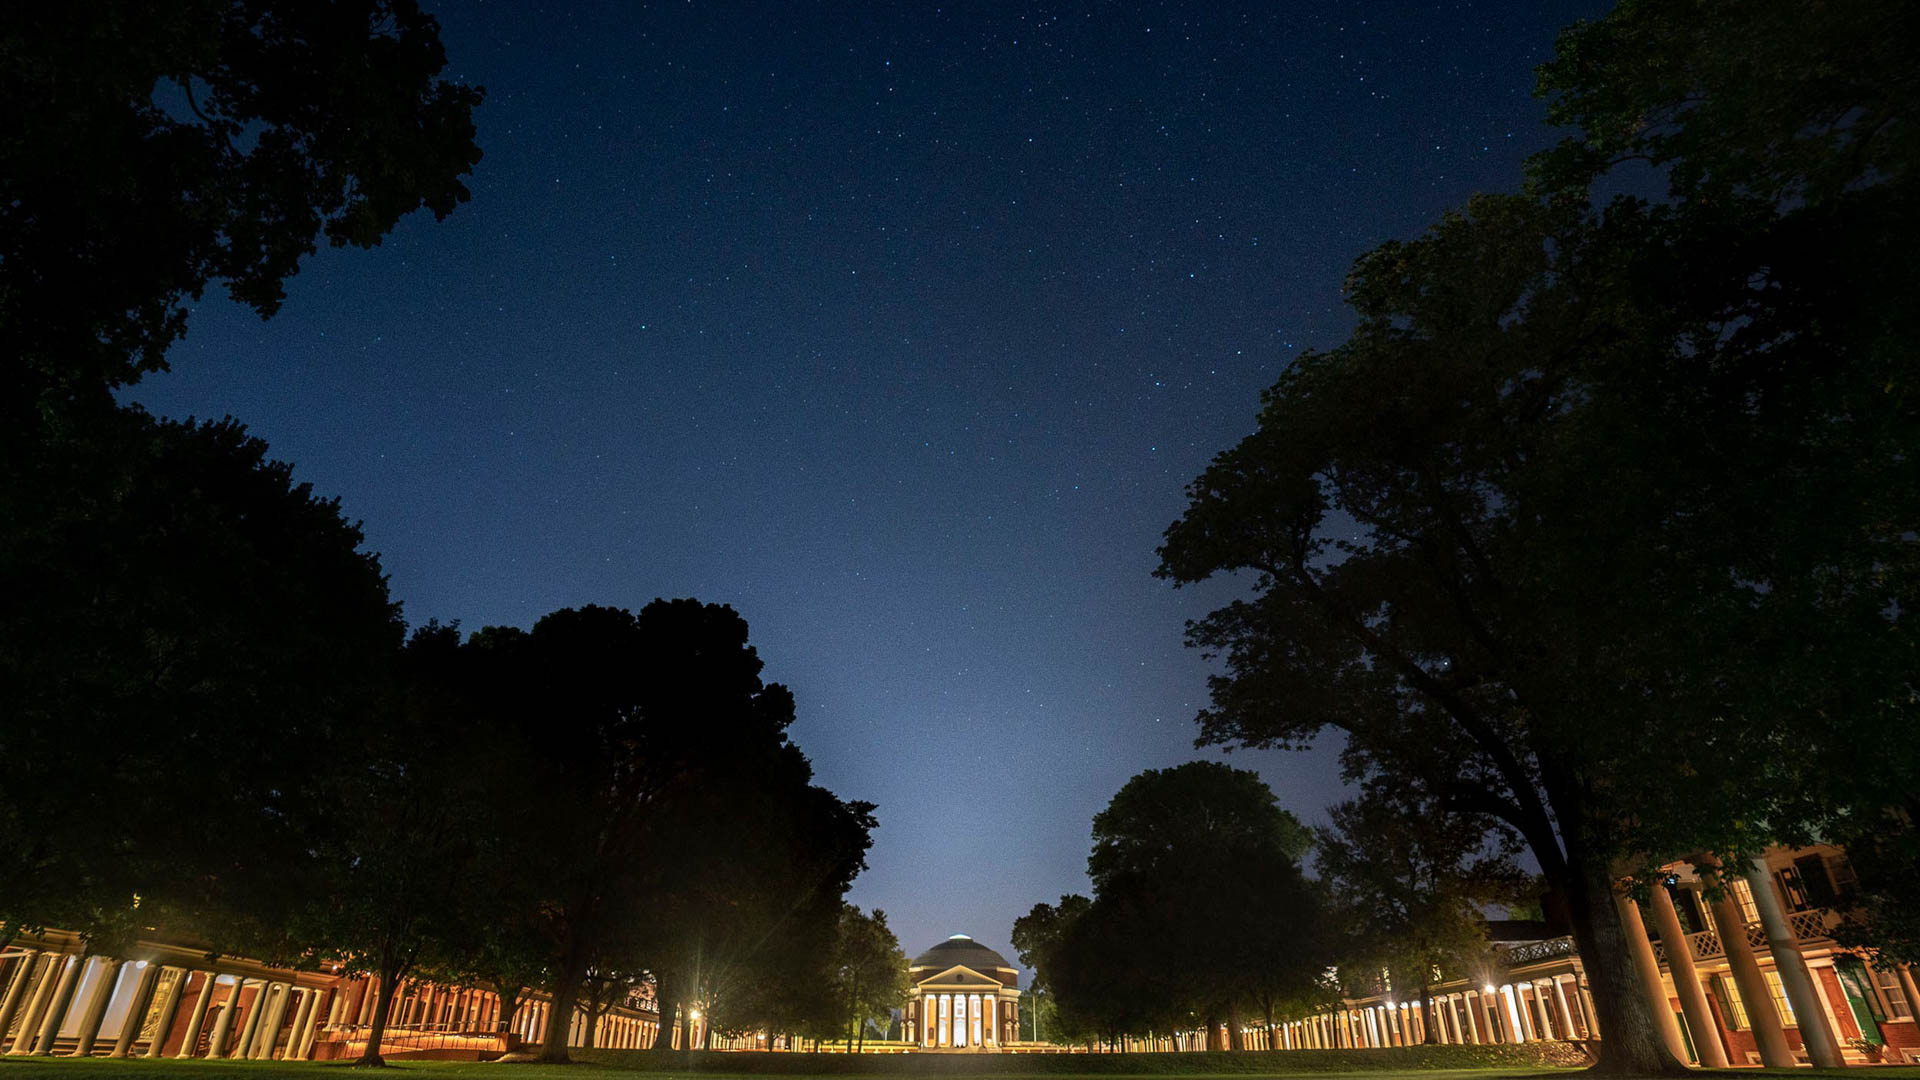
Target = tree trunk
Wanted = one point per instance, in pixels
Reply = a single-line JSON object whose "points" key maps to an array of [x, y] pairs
{"points": [[1213, 1033], [664, 1000], [1630, 1042], [509, 1004], [1266, 1009], [566, 996], [377, 1030], [1235, 1039], [1429, 1031]]}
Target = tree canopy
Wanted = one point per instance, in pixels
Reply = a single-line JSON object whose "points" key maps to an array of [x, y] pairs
{"points": [[1409, 885], [1200, 910], [177, 606], [680, 833], [152, 149], [1600, 523]]}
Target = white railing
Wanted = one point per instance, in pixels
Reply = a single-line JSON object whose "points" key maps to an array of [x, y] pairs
{"points": [[1813, 925], [1536, 951]]}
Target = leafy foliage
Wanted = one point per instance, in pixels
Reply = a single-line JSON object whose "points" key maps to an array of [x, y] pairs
{"points": [[1191, 868], [869, 978], [186, 630], [1409, 885], [1600, 524], [155, 148]]}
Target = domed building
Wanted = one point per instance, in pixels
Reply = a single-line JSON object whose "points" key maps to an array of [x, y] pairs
{"points": [[964, 996]]}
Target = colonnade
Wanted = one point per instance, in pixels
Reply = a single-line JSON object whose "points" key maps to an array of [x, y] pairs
{"points": [[64, 1002], [58, 1000], [960, 1020], [1526, 1010], [1724, 895]]}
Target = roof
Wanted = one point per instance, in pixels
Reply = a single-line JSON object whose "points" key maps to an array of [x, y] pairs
{"points": [[962, 950]]}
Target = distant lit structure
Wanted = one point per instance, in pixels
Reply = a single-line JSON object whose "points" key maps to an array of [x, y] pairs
{"points": [[964, 996]]}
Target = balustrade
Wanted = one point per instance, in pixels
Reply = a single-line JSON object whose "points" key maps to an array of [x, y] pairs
{"points": [[1812, 925]]}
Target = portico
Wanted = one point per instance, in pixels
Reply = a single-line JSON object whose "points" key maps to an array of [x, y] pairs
{"points": [[964, 996]]}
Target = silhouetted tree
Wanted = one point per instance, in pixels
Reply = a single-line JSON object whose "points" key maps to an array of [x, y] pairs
{"points": [[1410, 881], [1599, 523], [1785, 135], [1190, 867], [869, 971], [674, 810], [155, 148], [400, 865], [751, 887], [185, 631], [1040, 940]]}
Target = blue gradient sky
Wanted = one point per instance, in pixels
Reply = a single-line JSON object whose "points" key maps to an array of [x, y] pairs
{"points": [[898, 328]]}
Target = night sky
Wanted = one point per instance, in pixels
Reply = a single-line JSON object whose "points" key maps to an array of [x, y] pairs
{"points": [[899, 328]]}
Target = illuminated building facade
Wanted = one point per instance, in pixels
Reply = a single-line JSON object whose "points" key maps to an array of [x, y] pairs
{"points": [[1752, 978], [168, 1000], [964, 996]]}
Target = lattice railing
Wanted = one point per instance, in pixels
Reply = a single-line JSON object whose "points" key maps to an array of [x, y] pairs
{"points": [[1812, 925], [1705, 944], [1533, 952]]}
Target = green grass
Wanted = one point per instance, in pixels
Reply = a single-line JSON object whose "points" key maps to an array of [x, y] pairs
{"points": [[629, 1065]]}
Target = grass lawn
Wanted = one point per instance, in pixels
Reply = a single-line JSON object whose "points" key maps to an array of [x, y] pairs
{"points": [[1362, 1065]]}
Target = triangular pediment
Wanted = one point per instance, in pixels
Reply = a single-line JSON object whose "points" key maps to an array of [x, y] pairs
{"points": [[960, 975]]}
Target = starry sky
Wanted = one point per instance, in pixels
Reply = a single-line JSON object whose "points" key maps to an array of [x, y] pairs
{"points": [[898, 327]]}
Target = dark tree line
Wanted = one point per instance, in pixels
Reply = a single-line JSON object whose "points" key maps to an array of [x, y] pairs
{"points": [[1204, 917], [637, 816], [1201, 914], [216, 727]]}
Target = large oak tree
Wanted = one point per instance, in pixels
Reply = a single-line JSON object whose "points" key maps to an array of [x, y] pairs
{"points": [[1600, 523]]}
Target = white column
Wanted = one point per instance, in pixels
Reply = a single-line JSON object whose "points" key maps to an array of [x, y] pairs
{"points": [[47, 975], [23, 973], [1808, 1006], [109, 981], [136, 1015], [198, 1020], [57, 1007], [1560, 995], [292, 1052], [169, 1008], [1640, 951], [223, 1027], [271, 1023], [1768, 1034], [312, 1026], [249, 1038]]}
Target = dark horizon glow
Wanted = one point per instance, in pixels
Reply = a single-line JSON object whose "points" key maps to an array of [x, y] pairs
{"points": [[900, 330]]}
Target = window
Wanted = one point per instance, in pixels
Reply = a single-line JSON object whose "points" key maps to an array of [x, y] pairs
{"points": [[1736, 1013], [1898, 1007], [1780, 1001], [1844, 879], [1685, 906], [1814, 879], [1749, 914], [1791, 887]]}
